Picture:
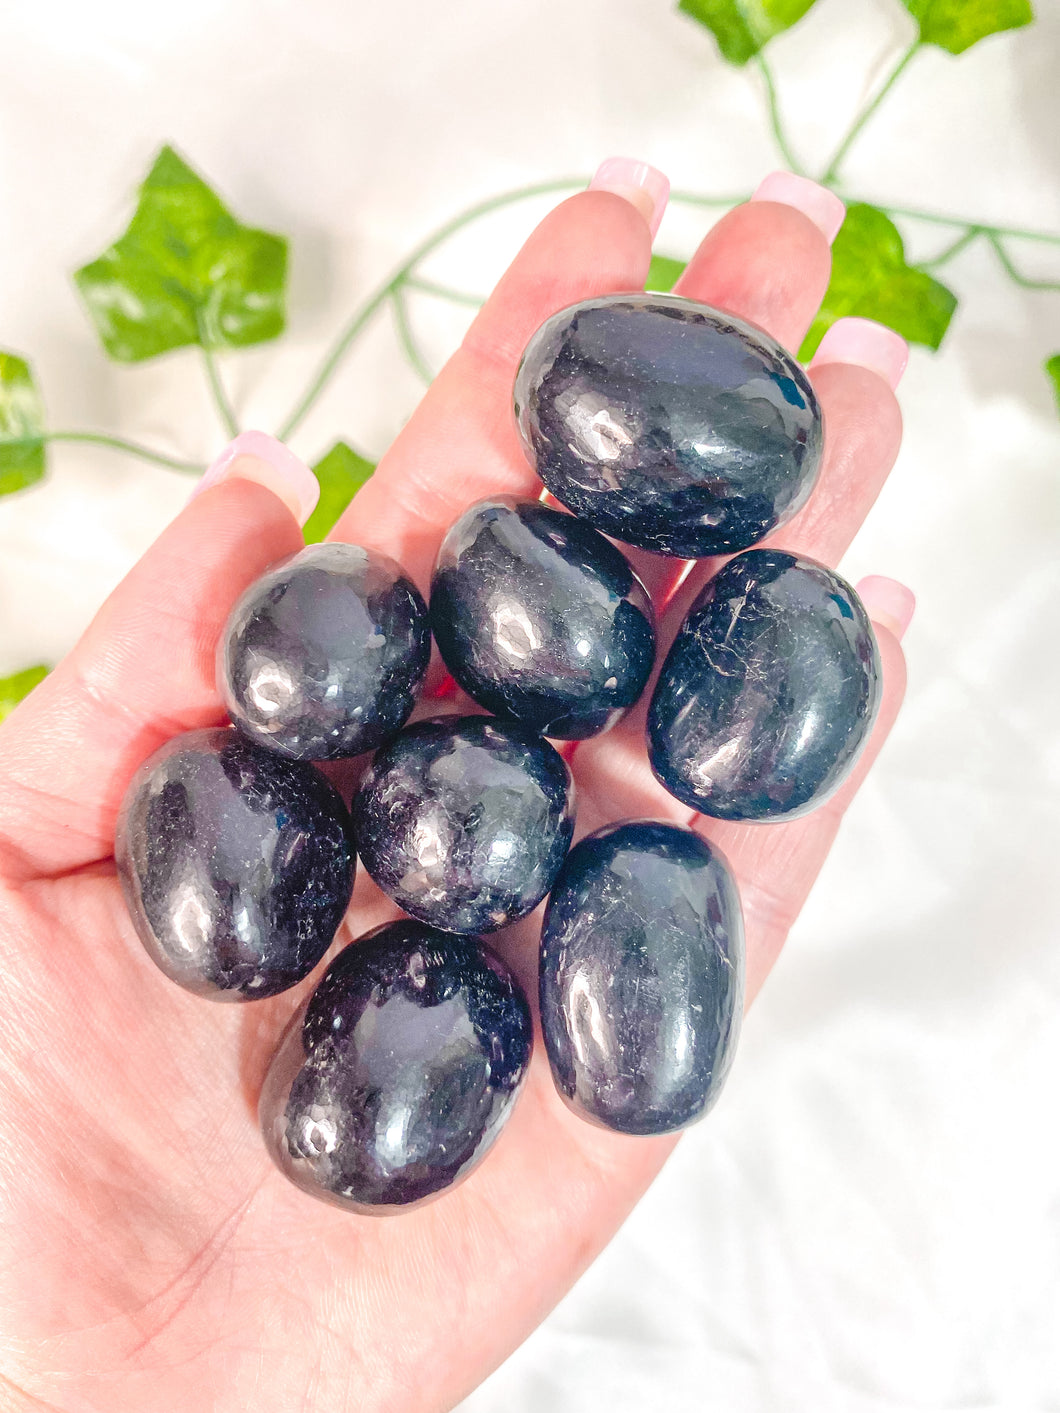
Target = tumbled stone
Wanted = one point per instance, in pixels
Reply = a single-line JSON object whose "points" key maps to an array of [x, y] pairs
{"points": [[540, 619], [393, 1081], [237, 866], [668, 424], [769, 691], [465, 820], [642, 972], [322, 656]]}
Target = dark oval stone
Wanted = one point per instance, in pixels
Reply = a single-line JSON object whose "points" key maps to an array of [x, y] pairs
{"points": [[769, 691], [668, 424], [393, 1081], [642, 974], [465, 820], [237, 866], [540, 619], [322, 656]]}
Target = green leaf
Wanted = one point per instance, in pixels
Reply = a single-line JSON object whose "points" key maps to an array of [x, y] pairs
{"points": [[955, 25], [664, 272], [13, 689], [22, 458], [743, 27], [1052, 372], [871, 279], [341, 473], [185, 272]]}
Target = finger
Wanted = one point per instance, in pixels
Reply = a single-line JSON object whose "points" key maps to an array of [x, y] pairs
{"points": [[144, 669], [863, 433], [776, 865], [767, 261], [461, 443]]}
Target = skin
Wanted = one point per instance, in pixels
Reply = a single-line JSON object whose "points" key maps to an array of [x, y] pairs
{"points": [[151, 1259]]}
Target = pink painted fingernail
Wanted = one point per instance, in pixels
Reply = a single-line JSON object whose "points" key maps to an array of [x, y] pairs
{"points": [[888, 602], [822, 206], [868, 344], [644, 187], [255, 456]]}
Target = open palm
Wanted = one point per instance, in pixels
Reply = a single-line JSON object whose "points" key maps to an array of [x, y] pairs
{"points": [[151, 1258]]}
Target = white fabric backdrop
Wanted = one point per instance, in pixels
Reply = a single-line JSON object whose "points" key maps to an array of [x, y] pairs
{"points": [[871, 1218]]}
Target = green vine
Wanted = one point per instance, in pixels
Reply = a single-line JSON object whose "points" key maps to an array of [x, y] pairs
{"points": [[188, 272]]}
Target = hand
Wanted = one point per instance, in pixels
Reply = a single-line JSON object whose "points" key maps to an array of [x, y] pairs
{"points": [[151, 1258]]}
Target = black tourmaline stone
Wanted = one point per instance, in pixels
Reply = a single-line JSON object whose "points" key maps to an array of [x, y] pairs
{"points": [[237, 866], [769, 691], [540, 619], [668, 424], [322, 656], [642, 970], [395, 1078], [465, 820]]}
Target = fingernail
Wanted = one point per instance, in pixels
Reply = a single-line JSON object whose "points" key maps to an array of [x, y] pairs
{"points": [[822, 206], [866, 343], [255, 456], [644, 187], [887, 602]]}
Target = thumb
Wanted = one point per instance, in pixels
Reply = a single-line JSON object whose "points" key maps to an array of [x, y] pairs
{"points": [[144, 669]]}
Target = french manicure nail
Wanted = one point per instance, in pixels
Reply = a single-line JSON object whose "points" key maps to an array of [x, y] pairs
{"points": [[822, 206], [644, 187], [888, 602], [255, 456], [868, 344]]}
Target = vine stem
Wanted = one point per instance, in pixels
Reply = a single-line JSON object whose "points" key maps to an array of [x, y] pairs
{"points": [[217, 387], [384, 292], [407, 338], [945, 256], [937, 218], [454, 296], [776, 123], [1016, 276], [130, 448], [831, 172]]}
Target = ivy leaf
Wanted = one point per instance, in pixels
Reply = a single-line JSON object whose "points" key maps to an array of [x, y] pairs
{"points": [[955, 25], [341, 473], [22, 458], [871, 279], [185, 272], [663, 273], [13, 689], [743, 27], [1052, 372]]}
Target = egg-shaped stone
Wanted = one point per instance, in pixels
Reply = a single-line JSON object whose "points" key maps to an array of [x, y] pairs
{"points": [[668, 424], [323, 655], [237, 865], [465, 820], [395, 1078], [541, 619], [769, 692], [642, 977]]}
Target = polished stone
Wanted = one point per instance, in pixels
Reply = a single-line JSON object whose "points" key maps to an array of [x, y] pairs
{"points": [[237, 866], [465, 820], [769, 691], [668, 424], [540, 619], [396, 1077], [642, 974], [322, 656]]}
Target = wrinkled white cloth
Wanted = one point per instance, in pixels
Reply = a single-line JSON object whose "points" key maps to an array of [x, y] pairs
{"points": [[870, 1220]]}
